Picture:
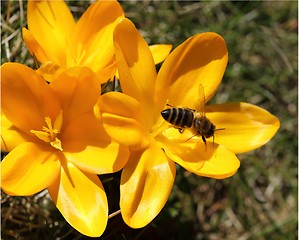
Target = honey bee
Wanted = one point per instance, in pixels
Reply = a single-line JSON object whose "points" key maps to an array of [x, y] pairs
{"points": [[197, 121]]}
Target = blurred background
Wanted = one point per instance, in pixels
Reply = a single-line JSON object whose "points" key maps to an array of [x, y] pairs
{"points": [[261, 200]]}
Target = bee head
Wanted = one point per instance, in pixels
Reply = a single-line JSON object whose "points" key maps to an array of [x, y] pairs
{"points": [[211, 131]]}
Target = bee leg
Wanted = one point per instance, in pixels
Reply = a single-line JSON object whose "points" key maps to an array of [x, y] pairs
{"points": [[181, 130], [204, 139]]}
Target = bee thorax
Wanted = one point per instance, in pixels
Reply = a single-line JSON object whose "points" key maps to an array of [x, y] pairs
{"points": [[204, 127]]}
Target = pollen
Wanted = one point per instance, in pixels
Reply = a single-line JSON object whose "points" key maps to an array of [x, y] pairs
{"points": [[50, 133]]}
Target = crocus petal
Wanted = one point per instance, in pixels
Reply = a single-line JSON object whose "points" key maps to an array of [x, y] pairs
{"points": [[121, 119], [28, 169], [78, 89], [26, 97], [222, 163], [189, 156], [160, 52], [50, 71], [81, 199], [51, 23], [107, 72], [135, 65], [199, 61], [246, 126], [126, 131], [94, 34], [33, 46], [12, 136], [146, 183], [211, 160], [86, 144]]}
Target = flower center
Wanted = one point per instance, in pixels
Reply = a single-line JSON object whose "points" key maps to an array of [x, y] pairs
{"points": [[49, 134]]}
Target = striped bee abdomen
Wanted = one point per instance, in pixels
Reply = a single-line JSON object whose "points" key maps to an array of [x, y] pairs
{"points": [[179, 117]]}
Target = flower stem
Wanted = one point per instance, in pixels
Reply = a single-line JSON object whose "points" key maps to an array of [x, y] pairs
{"points": [[114, 214]]}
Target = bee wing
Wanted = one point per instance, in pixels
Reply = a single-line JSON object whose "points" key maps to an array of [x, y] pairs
{"points": [[201, 100]]}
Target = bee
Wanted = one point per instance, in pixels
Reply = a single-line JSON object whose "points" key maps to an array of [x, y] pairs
{"points": [[182, 118]]}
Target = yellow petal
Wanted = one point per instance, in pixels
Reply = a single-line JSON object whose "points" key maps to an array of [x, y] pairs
{"points": [[107, 72], [146, 183], [81, 199], [120, 104], [51, 22], [122, 121], [28, 169], [197, 157], [200, 60], [50, 71], [94, 34], [220, 164], [247, 126], [160, 52], [33, 46], [86, 145], [26, 97], [135, 65], [78, 89], [189, 156], [11, 136], [126, 131]]}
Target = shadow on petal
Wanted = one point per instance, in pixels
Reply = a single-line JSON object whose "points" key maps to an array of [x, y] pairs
{"points": [[146, 182]]}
